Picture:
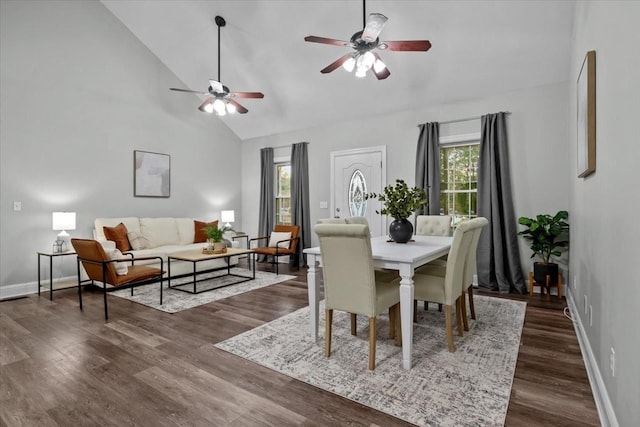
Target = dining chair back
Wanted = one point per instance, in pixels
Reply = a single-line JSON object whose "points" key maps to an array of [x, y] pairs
{"points": [[350, 282], [477, 225], [433, 225]]}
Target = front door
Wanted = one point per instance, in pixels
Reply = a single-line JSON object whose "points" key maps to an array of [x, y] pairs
{"points": [[353, 174]]}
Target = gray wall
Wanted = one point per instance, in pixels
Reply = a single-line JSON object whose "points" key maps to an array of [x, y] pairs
{"points": [[79, 94], [604, 229], [538, 154]]}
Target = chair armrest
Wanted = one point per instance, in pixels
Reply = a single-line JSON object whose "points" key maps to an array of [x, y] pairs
{"points": [[285, 240], [259, 238]]}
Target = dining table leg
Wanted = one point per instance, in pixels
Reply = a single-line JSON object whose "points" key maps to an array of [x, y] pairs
{"points": [[313, 286], [406, 313]]}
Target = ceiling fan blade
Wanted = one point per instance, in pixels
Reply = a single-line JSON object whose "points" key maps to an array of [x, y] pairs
{"points": [[203, 106], [384, 72], [239, 108], [375, 22], [408, 45], [337, 63], [247, 94], [188, 90], [324, 40], [216, 86]]}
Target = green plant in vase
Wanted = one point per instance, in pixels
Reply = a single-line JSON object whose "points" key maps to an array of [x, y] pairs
{"points": [[546, 235], [400, 202], [215, 236]]}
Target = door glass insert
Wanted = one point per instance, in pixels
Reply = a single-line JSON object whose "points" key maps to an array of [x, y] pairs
{"points": [[357, 190]]}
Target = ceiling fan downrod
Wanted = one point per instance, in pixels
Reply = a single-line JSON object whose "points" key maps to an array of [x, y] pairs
{"points": [[220, 22]]}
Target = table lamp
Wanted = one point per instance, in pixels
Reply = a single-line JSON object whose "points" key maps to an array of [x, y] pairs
{"points": [[228, 217], [63, 221]]}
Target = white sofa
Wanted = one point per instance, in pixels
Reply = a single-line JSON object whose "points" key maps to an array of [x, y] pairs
{"points": [[164, 236]]}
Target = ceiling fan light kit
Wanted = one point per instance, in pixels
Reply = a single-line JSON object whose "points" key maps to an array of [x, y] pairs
{"points": [[364, 42], [220, 98]]}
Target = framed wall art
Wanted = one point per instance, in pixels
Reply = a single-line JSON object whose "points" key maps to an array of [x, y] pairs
{"points": [[586, 93], [151, 174]]}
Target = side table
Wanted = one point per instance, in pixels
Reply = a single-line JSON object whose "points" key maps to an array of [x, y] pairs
{"points": [[59, 285]]}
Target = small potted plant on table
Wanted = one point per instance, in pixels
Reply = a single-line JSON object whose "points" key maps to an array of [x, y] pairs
{"points": [[400, 201], [546, 235], [215, 237]]}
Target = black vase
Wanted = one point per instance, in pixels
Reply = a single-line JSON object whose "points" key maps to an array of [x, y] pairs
{"points": [[541, 271], [401, 230]]}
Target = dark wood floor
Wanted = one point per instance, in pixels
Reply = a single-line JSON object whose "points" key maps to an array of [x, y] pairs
{"points": [[63, 367]]}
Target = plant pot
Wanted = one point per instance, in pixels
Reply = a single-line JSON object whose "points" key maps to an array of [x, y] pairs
{"points": [[215, 246], [541, 270], [401, 230]]}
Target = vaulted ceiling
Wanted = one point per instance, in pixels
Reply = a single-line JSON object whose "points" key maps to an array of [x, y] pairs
{"points": [[479, 48]]}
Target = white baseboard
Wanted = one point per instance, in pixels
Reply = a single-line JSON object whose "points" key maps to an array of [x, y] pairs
{"points": [[22, 289], [600, 395]]}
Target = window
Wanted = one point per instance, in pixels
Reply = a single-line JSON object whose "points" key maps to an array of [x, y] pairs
{"points": [[459, 181], [283, 193]]}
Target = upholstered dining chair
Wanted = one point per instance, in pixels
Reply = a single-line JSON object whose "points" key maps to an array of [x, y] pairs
{"points": [[433, 225], [351, 284], [282, 241], [446, 288], [477, 224], [100, 267]]}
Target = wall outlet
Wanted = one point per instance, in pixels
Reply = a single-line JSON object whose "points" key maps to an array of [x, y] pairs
{"points": [[586, 304], [613, 362], [590, 316]]}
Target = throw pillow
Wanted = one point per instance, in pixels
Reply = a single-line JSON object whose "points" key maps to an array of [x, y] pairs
{"points": [[136, 241], [276, 237], [119, 235], [199, 236], [121, 267]]}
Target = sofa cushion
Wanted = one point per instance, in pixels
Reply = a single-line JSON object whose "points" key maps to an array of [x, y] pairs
{"points": [[199, 234], [131, 223], [186, 230], [118, 234], [159, 231]]}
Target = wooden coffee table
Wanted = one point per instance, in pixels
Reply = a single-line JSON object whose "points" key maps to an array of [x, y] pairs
{"points": [[196, 256]]}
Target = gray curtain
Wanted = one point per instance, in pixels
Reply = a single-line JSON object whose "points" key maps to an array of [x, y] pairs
{"points": [[498, 256], [300, 201], [428, 166], [267, 209]]}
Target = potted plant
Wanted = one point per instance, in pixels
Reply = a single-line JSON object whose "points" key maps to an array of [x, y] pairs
{"points": [[215, 236], [400, 202], [546, 235]]}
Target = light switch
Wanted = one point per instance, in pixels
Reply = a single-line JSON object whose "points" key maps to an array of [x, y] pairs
{"points": [[324, 205], [17, 206]]}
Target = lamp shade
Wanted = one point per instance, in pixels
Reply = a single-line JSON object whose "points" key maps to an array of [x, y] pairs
{"points": [[227, 216], [63, 221]]}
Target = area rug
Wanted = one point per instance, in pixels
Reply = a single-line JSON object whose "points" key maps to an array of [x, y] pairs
{"points": [[468, 387], [174, 300]]}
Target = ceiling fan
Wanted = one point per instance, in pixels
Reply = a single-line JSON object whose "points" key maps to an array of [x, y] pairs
{"points": [[364, 42], [221, 99]]}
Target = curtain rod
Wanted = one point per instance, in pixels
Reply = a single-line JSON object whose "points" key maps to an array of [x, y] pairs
{"points": [[466, 119]]}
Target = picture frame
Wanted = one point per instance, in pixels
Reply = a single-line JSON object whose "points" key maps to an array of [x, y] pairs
{"points": [[586, 116], [151, 174]]}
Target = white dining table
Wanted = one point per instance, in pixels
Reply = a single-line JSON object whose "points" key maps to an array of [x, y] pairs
{"points": [[404, 257]]}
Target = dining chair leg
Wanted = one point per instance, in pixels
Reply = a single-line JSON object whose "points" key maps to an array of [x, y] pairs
{"points": [[398, 333], [448, 320], [354, 323], [327, 338], [415, 311], [392, 322], [472, 308], [463, 309], [372, 343], [426, 306], [440, 308], [459, 315]]}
